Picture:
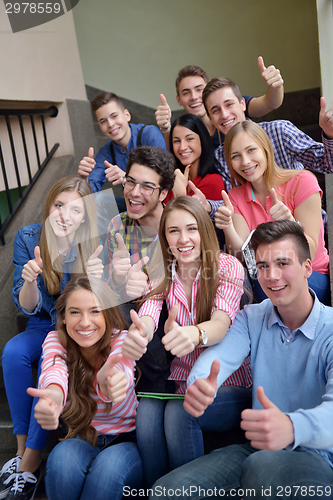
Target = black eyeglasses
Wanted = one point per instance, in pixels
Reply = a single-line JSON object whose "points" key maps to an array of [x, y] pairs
{"points": [[145, 189]]}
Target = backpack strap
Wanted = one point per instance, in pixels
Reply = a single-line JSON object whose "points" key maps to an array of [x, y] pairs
{"points": [[138, 143]]}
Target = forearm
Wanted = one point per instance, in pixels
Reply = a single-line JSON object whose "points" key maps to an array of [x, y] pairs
{"points": [[149, 325], [233, 241], [28, 296], [216, 329], [260, 106]]}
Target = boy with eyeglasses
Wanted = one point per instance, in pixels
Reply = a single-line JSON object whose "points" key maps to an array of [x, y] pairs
{"points": [[132, 235]]}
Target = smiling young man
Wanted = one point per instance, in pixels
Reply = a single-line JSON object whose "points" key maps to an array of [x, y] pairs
{"points": [[289, 452], [190, 83], [293, 149], [132, 235]]}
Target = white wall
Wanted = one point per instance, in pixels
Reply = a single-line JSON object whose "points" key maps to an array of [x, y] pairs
{"points": [[39, 64], [135, 48]]}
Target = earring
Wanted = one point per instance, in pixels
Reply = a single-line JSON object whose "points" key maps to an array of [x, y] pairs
{"points": [[84, 220]]}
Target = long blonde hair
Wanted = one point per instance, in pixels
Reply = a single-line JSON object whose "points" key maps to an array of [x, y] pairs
{"points": [[273, 175], [86, 235], [81, 407]]}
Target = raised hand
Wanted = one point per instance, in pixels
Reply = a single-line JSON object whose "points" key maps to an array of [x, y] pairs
{"points": [[278, 210], [112, 381], [136, 341], [87, 164], [137, 279], [121, 261], [269, 428], [181, 180], [326, 118], [94, 266], [163, 116], [33, 267], [201, 393], [113, 173], [49, 406], [223, 215], [199, 196], [178, 339], [271, 75]]}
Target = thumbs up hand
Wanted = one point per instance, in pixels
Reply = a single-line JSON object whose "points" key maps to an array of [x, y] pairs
{"points": [[179, 340], [94, 265], [271, 75], [137, 279], [136, 340], [201, 393], [278, 210], [223, 215], [121, 261], [113, 381], [181, 180], [87, 164], [269, 428], [113, 173], [49, 406], [326, 118], [33, 267], [163, 115]]}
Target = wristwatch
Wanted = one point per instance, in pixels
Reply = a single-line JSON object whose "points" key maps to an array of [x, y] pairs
{"points": [[203, 337]]}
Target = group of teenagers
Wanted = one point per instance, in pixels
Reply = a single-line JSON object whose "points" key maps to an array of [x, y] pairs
{"points": [[134, 293]]}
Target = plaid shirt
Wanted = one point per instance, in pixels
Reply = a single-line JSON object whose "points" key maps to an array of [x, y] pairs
{"points": [[293, 149], [137, 243]]}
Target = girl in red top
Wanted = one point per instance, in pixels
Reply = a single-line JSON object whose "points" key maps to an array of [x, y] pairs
{"points": [[192, 146]]}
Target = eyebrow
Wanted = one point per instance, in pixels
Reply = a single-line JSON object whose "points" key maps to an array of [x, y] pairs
{"points": [[279, 259], [144, 182], [187, 225], [196, 87]]}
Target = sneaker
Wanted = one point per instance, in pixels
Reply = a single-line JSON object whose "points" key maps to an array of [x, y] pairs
{"points": [[24, 485], [7, 470]]}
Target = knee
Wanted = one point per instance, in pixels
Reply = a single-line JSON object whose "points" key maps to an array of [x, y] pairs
{"points": [[258, 470], [13, 354]]}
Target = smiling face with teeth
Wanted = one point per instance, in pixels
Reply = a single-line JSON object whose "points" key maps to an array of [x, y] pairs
{"points": [[183, 237], [225, 109], [66, 215], [84, 320], [186, 146], [248, 159], [190, 95], [114, 123], [147, 210], [282, 276]]}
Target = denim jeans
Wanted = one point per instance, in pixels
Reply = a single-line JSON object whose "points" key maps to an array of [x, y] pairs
{"points": [[76, 470], [20, 355], [169, 437], [240, 471]]}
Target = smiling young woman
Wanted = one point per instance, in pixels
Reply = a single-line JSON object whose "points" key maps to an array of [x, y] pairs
{"points": [[45, 257]]}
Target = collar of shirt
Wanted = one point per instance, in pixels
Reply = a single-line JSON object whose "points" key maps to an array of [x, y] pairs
{"points": [[175, 277], [309, 326]]}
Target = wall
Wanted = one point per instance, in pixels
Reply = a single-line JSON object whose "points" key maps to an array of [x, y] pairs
{"points": [[136, 48], [42, 64]]}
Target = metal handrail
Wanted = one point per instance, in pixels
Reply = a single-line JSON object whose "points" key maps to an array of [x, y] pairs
{"points": [[52, 112]]}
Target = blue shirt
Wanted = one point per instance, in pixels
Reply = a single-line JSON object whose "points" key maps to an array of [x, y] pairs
{"points": [[294, 368], [25, 242], [293, 149], [151, 136]]}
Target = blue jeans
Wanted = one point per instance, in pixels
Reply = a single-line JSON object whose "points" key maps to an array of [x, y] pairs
{"points": [[169, 437], [76, 470], [20, 355], [264, 474]]}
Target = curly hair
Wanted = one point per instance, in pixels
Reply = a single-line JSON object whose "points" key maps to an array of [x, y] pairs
{"points": [[157, 159]]}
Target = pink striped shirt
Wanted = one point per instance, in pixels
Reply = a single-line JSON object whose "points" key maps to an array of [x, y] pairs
{"points": [[54, 371], [227, 299]]}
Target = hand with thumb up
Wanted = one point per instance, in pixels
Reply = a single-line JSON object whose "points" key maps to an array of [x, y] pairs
{"points": [[112, 381], [223, 215]]}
